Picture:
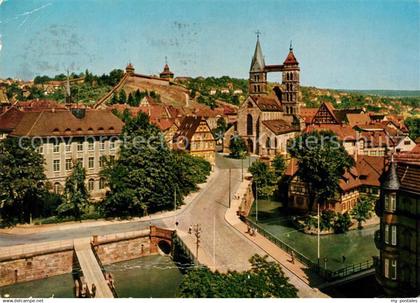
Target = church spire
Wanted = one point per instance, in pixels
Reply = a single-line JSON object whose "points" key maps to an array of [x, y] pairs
{"points": [[257, 63]]}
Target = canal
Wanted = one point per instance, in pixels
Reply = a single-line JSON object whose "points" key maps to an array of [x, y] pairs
{"points": [[147, 277], [356, 246]]}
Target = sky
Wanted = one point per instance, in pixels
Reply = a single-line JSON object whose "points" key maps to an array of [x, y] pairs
{"points": [[339, 44]]}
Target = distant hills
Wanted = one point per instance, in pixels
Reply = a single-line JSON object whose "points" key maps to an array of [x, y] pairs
{"points": [[384, 92]]}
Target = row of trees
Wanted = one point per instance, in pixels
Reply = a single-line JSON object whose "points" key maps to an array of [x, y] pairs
{"points": [[133, 99]]}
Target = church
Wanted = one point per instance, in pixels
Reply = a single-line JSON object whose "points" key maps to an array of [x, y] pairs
{"points": [[269, 117]]}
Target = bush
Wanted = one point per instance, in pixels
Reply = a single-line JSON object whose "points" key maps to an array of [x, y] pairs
{"points": [[342, 223]]}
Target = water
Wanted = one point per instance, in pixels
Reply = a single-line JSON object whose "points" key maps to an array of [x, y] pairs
{"points": [[356, 245], [58, 286], [146, 277]]}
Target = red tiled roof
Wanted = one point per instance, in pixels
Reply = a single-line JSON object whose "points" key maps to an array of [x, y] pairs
{"points": [[409, 176], [188, 127], [38, 105], [267, 103], [64, 123], [280, 126], [9, 119], [344, 132], [290, 59], [358, 119], [308, 113]]}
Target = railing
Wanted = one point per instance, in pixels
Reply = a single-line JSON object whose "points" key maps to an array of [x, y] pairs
{"points": [[327, 274]]}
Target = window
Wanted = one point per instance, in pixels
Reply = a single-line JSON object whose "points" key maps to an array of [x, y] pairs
{"points": [[393, 269], [407, 142], [90, 144], [390, 202], [79, 146], [249, 125], [57, 188], [111, 144], [111, 158], [80, 160], [68, 147], [102, 161], [386, 268], [102, 183], [56, 165], [56, 147], [386, 234], [91, 162], [40, 149], [91, 184], [102, 145], [69, 165], [394, 235]]}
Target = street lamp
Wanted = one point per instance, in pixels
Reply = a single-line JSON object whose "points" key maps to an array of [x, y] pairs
{"points": [[256, 202], [230, 193]]}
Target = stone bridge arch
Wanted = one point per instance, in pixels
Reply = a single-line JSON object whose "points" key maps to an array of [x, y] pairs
{"points": [[161, 238]]}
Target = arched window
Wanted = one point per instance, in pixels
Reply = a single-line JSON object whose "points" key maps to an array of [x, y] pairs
{"points": [[102, 183], [91, 184], [268, 143], [250, 144], [275, 143], [57, 188], [249, 125]]}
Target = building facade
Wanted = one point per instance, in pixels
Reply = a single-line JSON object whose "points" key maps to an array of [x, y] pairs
{"points": [[65, 137], [398, 239]]}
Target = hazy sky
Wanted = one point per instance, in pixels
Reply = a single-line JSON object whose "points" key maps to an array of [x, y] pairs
{"points": [[339, 44]]}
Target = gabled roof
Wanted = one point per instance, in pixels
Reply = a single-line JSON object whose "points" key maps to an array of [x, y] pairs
{"points": [[65, 123], [290, 59], [10, 119], [279, 127], [409, 176], [325, 107], [257, 63], [308, 113], [188, 127], [267, 103], [358, 119], [343, 131]]}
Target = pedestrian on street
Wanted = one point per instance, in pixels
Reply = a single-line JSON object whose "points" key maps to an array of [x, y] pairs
{"points": [[176, 224], [248, 229], [190, 229], [293, 257], [344, 259], [93, 290]]}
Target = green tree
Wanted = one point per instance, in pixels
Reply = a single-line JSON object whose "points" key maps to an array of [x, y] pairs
{"points": [[21, 176], [122, 99], [279, 166], [327, 219], [263, 178], [237, 147], [342, 223], [220, 129], [144, 178], [130, 100], [322, 160], [413, 124], [265, 279], [362, 211], [75, 194]]}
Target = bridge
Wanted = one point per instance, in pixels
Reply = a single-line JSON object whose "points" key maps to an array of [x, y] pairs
{"points": [[92, 272]]}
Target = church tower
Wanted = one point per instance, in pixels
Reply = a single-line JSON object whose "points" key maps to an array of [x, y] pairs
{"points": [[290, 84], [257, 84]]}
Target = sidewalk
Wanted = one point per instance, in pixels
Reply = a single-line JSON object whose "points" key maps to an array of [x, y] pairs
{"points": [[295, 271], [31, 228]]}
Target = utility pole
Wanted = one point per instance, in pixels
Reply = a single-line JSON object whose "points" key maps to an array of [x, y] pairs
{"points": [[256, 202], [230, 194], [242, 164], [319, 253], [197, 234]]}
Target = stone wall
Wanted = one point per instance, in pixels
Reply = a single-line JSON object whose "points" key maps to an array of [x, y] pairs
{"points": [[35, 266], [116, 250]]}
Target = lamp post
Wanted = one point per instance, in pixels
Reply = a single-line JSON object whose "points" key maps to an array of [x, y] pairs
{"points": [[197, 234], [318, 254], [256, 202], [230, 193]]}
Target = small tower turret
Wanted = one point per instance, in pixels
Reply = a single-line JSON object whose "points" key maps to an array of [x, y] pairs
{"points": [[166, 73], [291, 84], [129, 69], [257, 75]]}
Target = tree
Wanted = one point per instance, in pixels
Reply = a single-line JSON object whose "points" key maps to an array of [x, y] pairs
{"points": [[122, 97], [237, 147], [220, 129], [263, 178], [342, 223], [144, 178], [75, 193], [265, 279], [362, 211], [279, 166], [322, 160], [21, 179], [130, 100], [413, 124]]}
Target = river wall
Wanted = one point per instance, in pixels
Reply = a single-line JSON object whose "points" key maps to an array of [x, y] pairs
{"points": [[23, 263]]}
